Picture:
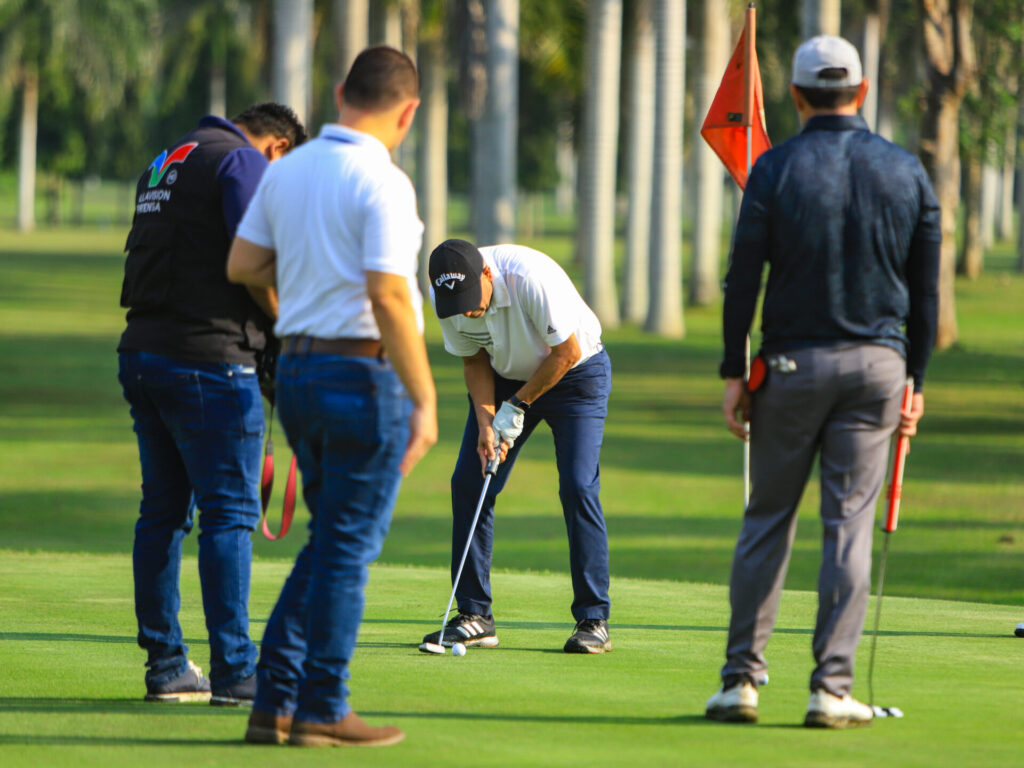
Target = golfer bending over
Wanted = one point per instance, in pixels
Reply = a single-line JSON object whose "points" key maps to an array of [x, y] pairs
{"points": [[531, 351], [849, 226]]}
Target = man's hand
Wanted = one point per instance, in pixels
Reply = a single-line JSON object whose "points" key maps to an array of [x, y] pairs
{"points": [[736, 401], [422, 436], [908, 420], [508, 423], [487, 445]]}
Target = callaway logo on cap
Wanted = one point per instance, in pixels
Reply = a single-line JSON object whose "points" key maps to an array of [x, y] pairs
{"points": [[457, 266], [448, 280]]}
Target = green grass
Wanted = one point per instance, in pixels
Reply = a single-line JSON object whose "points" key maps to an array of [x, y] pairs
{"points": [[672, 498], [71, 686]]}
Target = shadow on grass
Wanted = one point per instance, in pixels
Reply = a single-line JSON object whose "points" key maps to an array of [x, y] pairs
{"points": [[528, 718], [555, 625], [106, 707], [68, 638], [27, 740]]}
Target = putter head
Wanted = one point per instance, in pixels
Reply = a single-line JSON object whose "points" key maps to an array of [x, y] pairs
{"points": [[434, 648], [887, 711]]}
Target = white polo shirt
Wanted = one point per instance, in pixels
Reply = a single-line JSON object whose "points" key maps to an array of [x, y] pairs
{"points": [[333, 209], [534, 307]]}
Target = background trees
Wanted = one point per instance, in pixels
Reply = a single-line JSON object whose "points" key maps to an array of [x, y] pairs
{"points": [[516, 95]]}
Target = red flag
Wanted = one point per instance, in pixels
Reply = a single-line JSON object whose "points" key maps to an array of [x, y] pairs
{"points": [[739, 103]]}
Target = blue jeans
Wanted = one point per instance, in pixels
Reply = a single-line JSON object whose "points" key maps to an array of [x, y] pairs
{"points": [[200, 432], [347, 419], [575, 409]]}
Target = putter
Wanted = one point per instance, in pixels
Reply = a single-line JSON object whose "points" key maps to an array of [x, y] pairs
{"points": [[491, 471], [891, 520]]}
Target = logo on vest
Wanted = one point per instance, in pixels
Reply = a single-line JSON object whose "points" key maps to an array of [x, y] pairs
{"points": [[448, 280], [163, 161]]}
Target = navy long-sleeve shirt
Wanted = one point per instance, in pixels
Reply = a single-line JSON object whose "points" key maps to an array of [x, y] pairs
{"points": [[850, 228]]}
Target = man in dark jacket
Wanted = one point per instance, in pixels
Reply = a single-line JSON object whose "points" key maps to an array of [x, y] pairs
{"points": [[849, 226], [188, 362]]}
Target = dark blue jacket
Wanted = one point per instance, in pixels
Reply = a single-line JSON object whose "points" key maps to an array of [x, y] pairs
{"points": [[850, 228]]}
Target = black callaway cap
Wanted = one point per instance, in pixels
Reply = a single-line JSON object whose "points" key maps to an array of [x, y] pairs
{"points": [[455, 268]]}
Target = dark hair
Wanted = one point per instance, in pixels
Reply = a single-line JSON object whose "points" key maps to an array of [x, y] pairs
{"points": [[829, 98], [379, 78], [272, 119]]}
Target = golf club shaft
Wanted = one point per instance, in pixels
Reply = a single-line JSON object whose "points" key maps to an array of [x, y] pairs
{"points": [[492, 468], [878, 616]]}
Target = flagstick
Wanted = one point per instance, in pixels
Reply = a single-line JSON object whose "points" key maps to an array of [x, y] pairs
{"points": [[748, 121]]}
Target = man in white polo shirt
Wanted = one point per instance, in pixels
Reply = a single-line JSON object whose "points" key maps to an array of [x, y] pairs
{"points": [[531, 351], [336, 231]]}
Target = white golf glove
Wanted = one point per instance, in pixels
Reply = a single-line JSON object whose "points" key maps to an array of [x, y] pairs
{"points": [[508, 423]]}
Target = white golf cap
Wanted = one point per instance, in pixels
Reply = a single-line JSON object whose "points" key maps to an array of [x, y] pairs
{"points": [[826, 62]]}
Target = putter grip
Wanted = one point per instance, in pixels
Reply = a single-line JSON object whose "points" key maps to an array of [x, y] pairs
{"points": [[492, 465], [899, 461]]}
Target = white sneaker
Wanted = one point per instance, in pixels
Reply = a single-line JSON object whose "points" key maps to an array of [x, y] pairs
{"points": [[737, 704], [827, 711], [1019, 631]]}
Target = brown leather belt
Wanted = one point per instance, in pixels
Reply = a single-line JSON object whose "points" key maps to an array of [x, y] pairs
{"points": [[311, 345]]}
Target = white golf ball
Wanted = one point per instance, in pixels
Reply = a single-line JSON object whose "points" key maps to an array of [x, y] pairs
{"points": [[458, 650]]}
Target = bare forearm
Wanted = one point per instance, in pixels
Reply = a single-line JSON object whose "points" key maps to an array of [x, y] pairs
{"points": [[479, 378], [561, 360], [397, 323], [252, 264], [266, 299]]}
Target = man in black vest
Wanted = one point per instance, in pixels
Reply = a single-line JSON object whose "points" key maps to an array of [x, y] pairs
{"points": [[188, 368]]}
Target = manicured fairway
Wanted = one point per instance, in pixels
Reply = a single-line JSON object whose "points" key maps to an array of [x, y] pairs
{"points": [[71, 685], [71, 675]]}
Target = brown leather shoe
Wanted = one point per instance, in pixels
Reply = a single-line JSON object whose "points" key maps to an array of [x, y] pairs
{"points": [[265, 728], [350, 731]]}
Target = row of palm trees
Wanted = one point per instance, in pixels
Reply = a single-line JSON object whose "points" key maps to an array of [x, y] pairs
{"points": [[632, 79]]}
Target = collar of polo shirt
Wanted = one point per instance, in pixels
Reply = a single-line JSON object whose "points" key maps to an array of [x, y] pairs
{"points": [[500, 297], [335, 132]]}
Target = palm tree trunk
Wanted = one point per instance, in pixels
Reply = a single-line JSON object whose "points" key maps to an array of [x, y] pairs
{"points": [[707, 233], [292, 79], [433, 147], [949, 55], [386, 24], [820, 17], [218, 61], [1020, 188], [640, 161], [991, 181], [665, 314], [352, 31], [870, 54], [27, 150], [1005, 224], [494, 134], [565, 160], [972, 247], [596, 221]]}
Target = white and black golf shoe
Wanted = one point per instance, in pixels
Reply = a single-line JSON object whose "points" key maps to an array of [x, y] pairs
{"points": [[825, 710], [735, 704], [1019, 631], [590, 636], [466, 628]]}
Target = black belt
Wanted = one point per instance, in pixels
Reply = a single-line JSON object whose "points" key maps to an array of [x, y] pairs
{"points": [[311, 345]]}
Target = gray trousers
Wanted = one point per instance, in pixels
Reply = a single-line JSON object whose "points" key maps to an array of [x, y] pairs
{"points": [[844, 403]]}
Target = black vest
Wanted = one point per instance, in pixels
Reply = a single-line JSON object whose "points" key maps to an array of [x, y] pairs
{"points": [[179, 300]]}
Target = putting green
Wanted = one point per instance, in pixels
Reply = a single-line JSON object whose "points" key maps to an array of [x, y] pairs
{"points": [[71, 679]]}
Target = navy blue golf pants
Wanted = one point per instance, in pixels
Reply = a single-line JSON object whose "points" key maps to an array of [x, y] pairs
{"points": [[575, 409]]}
